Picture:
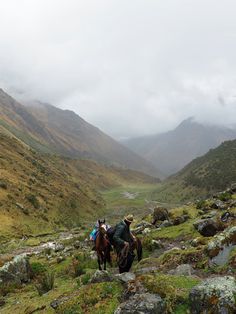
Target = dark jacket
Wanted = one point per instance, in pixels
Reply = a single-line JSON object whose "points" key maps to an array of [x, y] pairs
{"points": [[122, 235]]}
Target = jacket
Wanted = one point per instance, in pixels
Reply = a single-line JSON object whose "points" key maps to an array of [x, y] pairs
{"points": [[122, 235]]}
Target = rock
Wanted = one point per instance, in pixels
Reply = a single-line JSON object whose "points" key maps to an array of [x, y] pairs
{"points": [[144, 224], [77, 244], [146, 231], [141, 226], [182, 270], [101, 276], [93, 255], [225, 238], [131, 288], [233, 187], [16, 271], [179, 220], [142, 303], [59, 247], [157, 244], [160, 213], [125, 277], [166, 223], [207, 227], [145, 270], [198, 241], [60, 259], [218, 205], [214, 295]]}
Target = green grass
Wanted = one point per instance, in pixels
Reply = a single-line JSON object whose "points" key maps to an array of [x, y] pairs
{"points": [[175, 289], [117, 205]]}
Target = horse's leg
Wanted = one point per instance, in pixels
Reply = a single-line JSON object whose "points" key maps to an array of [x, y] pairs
{"points": [[99, 261]]}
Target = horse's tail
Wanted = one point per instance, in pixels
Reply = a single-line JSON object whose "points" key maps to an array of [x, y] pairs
{"points": [[139, 249]]}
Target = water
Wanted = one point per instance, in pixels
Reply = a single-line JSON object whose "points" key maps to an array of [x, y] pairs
{"points": [[223, 256]]}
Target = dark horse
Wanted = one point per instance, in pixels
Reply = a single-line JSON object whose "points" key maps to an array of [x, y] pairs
{"points": [[103, 246], [126, 256]]}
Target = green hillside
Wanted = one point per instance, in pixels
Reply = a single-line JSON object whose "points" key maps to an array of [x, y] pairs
{"points": [[210, 173], [45, 193]]}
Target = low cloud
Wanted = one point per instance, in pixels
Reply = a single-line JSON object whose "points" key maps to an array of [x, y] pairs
{"points": [[129, 67]]}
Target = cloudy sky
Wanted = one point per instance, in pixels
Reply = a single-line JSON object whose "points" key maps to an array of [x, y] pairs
{"points": [[131, 67]]}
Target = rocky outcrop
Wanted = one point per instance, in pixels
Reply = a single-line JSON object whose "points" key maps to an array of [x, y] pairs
{"points": [[101, 276], [225, 238], [125, 277], [207, 227], [16, 271], [142, 303], [182, 270], [215, 295], [160, 213]]}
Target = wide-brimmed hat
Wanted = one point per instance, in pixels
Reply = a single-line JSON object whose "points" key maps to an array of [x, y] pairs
{"points": [[129, 218]]}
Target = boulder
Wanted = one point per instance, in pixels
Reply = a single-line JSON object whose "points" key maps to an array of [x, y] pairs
{"points": [[16, 271], [166, 223], [142, 303], [157, 244], [179, 220], [125, 277], [160, 213], [214, 295], [101, 276], [218, 243], [218, 204], [146, 231], [182, 270], [207, 227]]}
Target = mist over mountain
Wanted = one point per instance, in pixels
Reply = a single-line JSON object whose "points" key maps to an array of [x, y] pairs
{"points": [[172, 150], [210, 173], [56, 131]]}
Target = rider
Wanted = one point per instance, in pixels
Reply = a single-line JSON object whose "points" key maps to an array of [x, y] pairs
{"points": [[93, 234], [123, 240]]}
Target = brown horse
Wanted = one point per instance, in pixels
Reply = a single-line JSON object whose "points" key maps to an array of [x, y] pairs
{"points": [[126, 256], [103, 246]]}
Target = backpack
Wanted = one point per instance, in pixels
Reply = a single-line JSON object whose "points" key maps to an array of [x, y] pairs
{"points": [[110, 233]]}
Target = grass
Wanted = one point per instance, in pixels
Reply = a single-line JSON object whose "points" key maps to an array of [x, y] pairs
{"points": [[97, 298], [117, 205], [174, 289]]}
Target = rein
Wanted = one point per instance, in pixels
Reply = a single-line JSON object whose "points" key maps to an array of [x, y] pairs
{"points": [[122, 256]]}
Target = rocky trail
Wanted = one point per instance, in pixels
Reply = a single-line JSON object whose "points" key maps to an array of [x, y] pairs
{"points": [[188, 266]]}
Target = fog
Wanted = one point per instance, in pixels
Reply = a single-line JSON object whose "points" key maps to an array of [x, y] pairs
{"points": [[129, 67]]}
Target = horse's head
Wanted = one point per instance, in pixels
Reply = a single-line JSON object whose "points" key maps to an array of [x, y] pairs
{"points": [[102, 226]]}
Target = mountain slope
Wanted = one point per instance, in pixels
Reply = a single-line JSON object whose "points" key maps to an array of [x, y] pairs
{"points": [[173, 150], [41, 193], [52, 130], [215, 171]]}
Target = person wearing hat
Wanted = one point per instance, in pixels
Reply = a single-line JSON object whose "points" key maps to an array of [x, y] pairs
{"points": [[123, 239]]}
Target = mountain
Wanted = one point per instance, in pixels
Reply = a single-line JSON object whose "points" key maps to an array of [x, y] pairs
{"points": [[213, 172], [52, 130], [41, 193], [172, 150]]}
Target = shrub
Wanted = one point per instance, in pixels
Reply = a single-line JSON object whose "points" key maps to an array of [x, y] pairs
{"points": [[45, 282], [3, 185], [77, 268], [37, 269], [225, 196], [33, 200]]}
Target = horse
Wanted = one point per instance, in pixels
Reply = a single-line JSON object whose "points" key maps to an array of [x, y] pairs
{"points": [[102, 246], [126, 256]]}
